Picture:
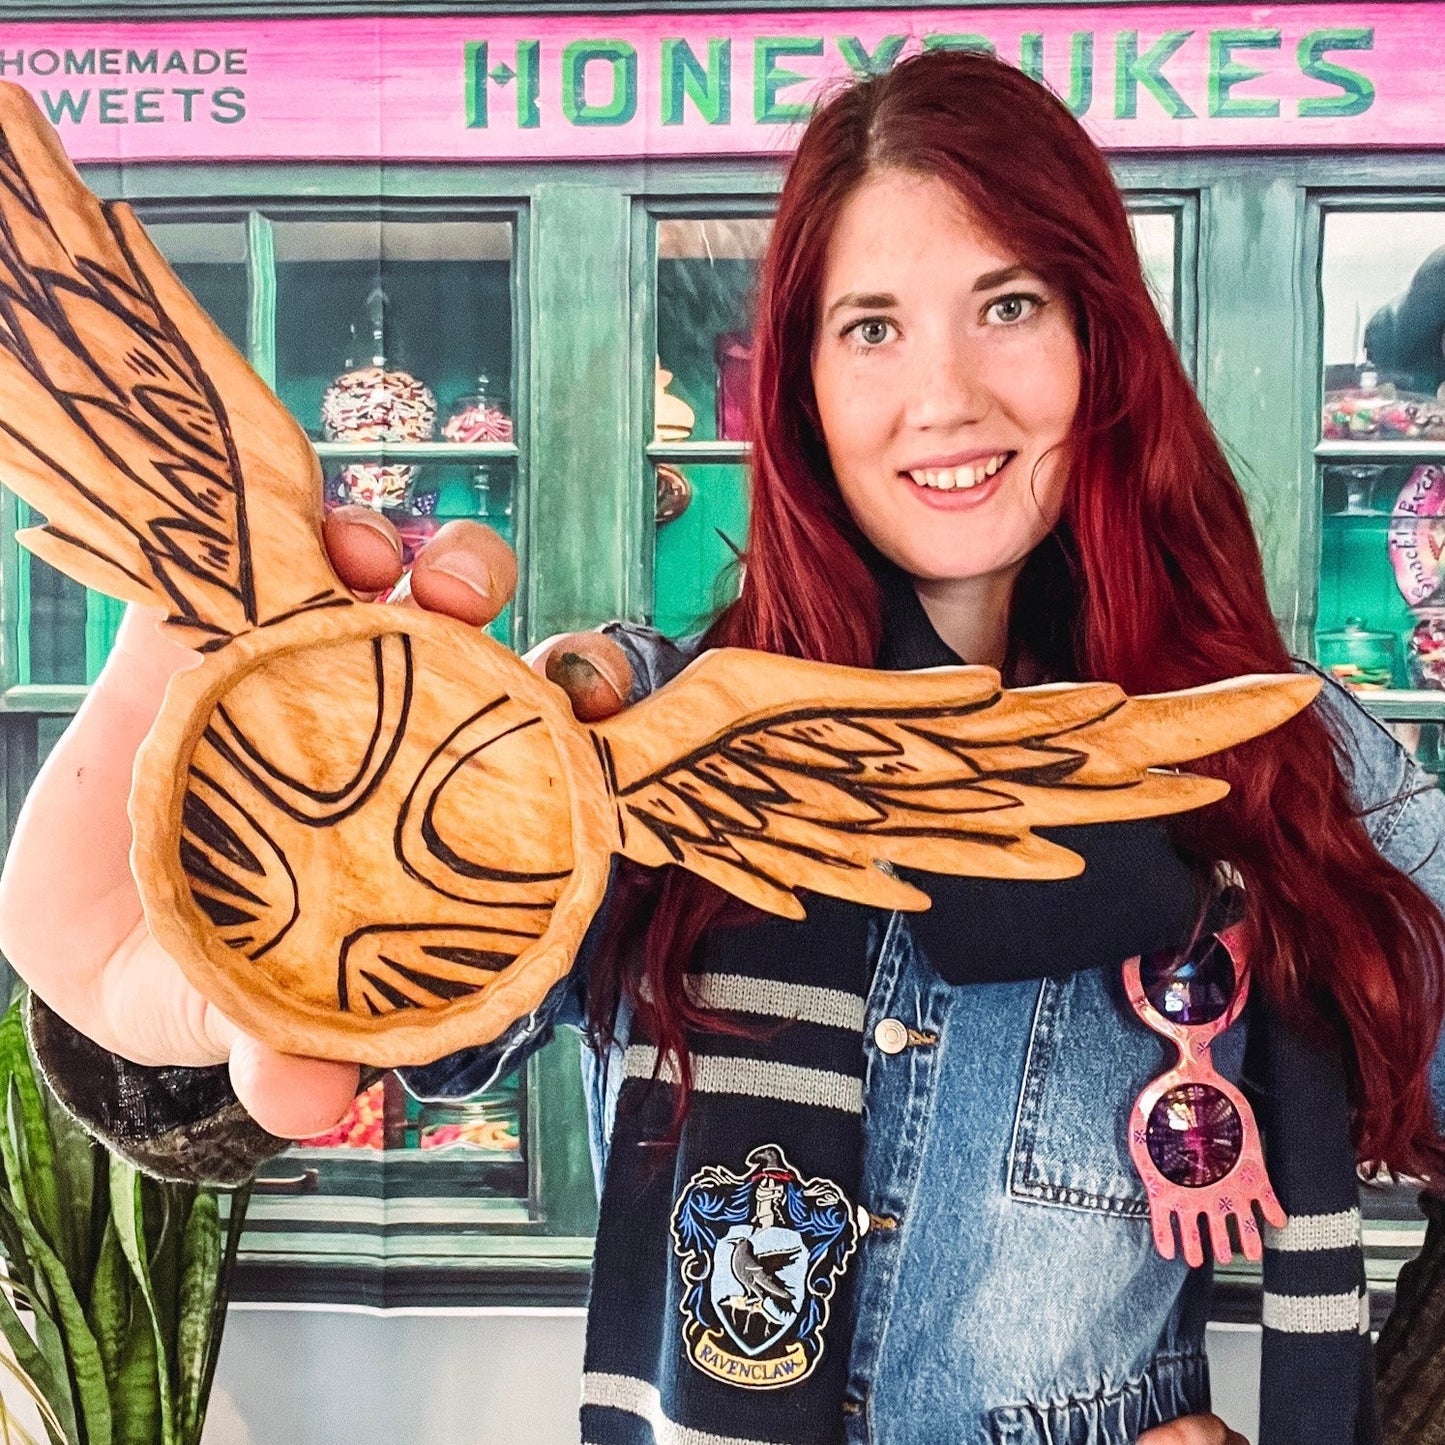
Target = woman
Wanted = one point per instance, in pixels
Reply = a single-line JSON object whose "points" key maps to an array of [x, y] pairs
{"points": [[891, 1199]]}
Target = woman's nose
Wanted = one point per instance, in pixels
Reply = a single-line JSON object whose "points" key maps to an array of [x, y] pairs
{"points": [[947, 387]]}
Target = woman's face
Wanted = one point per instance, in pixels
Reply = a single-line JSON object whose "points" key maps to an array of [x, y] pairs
{"points": [[947, 378]]}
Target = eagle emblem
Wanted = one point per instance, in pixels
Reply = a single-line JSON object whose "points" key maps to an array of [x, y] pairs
{"points": [[761, 1252]]}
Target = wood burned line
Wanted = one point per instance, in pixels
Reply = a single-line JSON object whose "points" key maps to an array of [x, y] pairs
{"points": [[234, 744], [909, 719], [204, 384], [489, 961], [147, 545], [448, 857], [603, 748], [432, 840], [213, 832], [14, 180]]}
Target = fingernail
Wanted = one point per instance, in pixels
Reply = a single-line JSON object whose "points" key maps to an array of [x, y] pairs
{"points": [[466, 568], [571, 671], [373, 523]]}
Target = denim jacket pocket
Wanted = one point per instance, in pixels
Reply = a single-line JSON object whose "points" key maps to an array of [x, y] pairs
{"points": [[1089, 1059]]}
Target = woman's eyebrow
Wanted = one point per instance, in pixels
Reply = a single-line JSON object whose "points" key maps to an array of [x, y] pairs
{"points": [[990, 279], [862, 300]]}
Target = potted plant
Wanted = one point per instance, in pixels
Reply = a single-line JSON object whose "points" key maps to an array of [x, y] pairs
{"points": [[117, 1282]]}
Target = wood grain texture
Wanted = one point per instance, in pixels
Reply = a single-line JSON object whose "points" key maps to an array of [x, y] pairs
{"points": [[371, 833]]}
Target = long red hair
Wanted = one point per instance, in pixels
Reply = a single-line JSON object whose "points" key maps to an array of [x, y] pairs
{"points": [[1153, 580]]}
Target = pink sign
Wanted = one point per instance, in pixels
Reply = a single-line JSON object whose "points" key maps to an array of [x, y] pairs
{"points": [[544, 87]]}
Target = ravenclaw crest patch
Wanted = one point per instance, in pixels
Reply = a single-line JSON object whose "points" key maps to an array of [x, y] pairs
{"points": [[761, 1252]]}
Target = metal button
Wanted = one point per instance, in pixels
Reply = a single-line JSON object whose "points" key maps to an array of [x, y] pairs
{"points": [[891, 1036]]}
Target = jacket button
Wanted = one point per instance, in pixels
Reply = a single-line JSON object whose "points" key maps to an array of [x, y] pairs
{"points": [[891, 1036]]}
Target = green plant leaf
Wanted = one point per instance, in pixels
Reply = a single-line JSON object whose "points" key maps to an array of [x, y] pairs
{"points": [[136, 1402], [31, 1151], [238, 1202], [13, 1429], [78, 1159], [111, 1307], [127, 1209], [201, 1257], [81, 1353], [40, 1368]]}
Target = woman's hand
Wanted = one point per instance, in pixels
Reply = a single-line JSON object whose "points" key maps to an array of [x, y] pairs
{"points": [[71, 921], [1193, 1430]]}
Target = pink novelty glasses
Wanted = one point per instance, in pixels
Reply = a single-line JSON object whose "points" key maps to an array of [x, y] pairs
{"points": [[1192, 1135]]}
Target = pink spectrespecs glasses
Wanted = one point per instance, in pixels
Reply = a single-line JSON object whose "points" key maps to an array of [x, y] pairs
{"points": [[1192, 1135]]}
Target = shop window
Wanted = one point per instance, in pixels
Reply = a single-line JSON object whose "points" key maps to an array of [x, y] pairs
{"points": [[1380, 465], [707, 272], [1156, 234], [392, 339], [393, 347]]}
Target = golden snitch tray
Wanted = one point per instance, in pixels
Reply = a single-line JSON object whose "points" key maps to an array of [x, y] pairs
{"points": [[370, 832]]}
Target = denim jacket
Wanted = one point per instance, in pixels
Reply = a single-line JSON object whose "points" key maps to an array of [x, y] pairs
{"points": [[1042, 1313]]}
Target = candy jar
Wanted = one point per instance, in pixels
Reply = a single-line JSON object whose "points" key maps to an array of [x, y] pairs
{"points": [[1425, 648], [378, 404], [479, 417], [1358, 656]]}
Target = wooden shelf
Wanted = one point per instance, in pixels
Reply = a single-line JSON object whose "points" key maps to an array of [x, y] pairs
{"points": [[1382, 452], [464, 452]]}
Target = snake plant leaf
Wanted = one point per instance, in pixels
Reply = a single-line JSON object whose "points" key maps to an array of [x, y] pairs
{"points": [[111, 1306], [80, 1185], [127, 1209], [238, 1201], [135, 1400], [201, 1256], [167, 1209], [81, 1351], [35, 1297], [29, 1151], [39, 1367], [14, 1432]]}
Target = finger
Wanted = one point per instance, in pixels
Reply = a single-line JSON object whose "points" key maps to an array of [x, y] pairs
{"points": [[1219, 1239], [288, 1095], [1249, 1239], [1193, 1430], [364, 548], [466, 571], [1163, 1222], [1273, 1212], [592, 670], [1193, 1243]]}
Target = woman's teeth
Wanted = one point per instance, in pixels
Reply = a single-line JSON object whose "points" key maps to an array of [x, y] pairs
{"points": [[947, 479]]}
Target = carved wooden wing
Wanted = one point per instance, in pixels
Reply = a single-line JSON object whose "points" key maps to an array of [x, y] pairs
{"points": [[169, 473], [766, 774]]}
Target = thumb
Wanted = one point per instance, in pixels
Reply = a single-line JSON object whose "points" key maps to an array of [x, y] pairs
{"points": [[288, 1095], [590, 668]]}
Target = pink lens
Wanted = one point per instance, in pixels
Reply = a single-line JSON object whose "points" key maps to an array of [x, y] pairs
{"points": [[1195, 1135]]}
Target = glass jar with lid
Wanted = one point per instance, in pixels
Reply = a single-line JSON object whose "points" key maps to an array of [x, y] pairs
{"points": [[1362, 658]]}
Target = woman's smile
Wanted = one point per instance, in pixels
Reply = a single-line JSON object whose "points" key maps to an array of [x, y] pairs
{"points": [[959, 484]]}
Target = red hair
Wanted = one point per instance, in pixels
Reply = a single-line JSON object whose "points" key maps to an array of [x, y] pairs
{"points": [[1153, 580]]}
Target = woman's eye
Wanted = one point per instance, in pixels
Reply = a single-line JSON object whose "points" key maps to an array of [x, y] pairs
{"points": [[873, 331], [1009, 310]]}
